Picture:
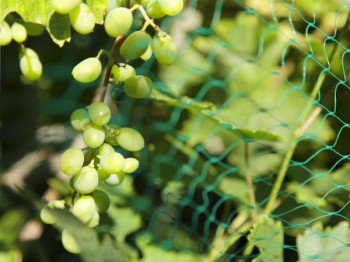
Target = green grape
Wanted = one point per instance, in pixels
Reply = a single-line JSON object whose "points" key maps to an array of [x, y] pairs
{"points": [[131, 165], [31, 53], [72, 161], [65, 6], [19, 33], [99, 113], [86, 180], [102, 174], [84, 208], [93, 135], [130, 139], [154, 10], [115, 179], [34, 29], [118, 21], [79, 119], [171, 7], [102, 201], [94, 220], [87, 70], [144, 3], [138, 86], [30, 65], [105, 149], [122, 72], [164, 49], [111, 134], [45, 214], [148, 54], [135, 45], [82, 19], [112, 163], [70, 243], [5, 34]]}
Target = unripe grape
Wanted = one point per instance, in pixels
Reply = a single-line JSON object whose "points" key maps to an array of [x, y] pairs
{"points": [[99, 113], [84, 208], [111, 135], [82, 19], [86, 180], [79, 119], [65, 6], [130, 165], [72, 161], [164, 49], [138, 86], [148, 54], [112, 163], [34, 29], [30, 65], [144, 3], [154, 10], [45, 214], [70, 243], [130, 139], [87, 70], [135, 45], [171, 7], [19, 33], [93, 135], [118, 21], [102, 201], [31, 53], [115, 179], [105, 149], [102, 174], [5, 34], [94, 220], [122, 72]]}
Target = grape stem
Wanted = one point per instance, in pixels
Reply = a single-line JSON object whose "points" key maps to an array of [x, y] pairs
{"points": [[148, 20], [73, 197], [108, 69]]}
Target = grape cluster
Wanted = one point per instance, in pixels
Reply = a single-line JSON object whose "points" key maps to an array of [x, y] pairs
{"points": [[29, 61], [100, 163]]}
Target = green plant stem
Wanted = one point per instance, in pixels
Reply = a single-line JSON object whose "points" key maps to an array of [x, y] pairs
{"points": [[302, 126], [108, 69], [248, 175], [72, 202]]}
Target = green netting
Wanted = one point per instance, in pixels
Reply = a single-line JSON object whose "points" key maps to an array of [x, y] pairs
{"points": [[259, 91]]}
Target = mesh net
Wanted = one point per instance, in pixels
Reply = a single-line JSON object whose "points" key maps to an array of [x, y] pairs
{"points": [[250, 124]]}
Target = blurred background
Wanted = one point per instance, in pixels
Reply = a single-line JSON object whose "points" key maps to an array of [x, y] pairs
{"points": [[248, 73]]}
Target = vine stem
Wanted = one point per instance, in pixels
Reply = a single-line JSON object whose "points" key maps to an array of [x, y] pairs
{"points": [[249, 179], [108, 69], [302, 126]]}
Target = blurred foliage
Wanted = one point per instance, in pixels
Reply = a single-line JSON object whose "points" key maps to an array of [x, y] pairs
{"points": [[245, 74]]}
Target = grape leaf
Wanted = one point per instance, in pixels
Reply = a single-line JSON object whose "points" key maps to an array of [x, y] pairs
{"points": [[98, 8], [87, 238], [59, 28], [329, 244], [267, 235], [36, 11]]}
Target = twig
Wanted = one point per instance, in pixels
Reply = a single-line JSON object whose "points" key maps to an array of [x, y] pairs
{"points": [[249, 179]]}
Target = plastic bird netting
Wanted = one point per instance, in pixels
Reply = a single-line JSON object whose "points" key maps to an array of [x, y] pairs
{"points": [[247, 135]]}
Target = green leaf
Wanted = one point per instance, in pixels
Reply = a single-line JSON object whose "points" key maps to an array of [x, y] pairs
{"points": [[92, 250], [98, 8], [59, 28], [36, 11], [267, 235], [329, 244]]}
